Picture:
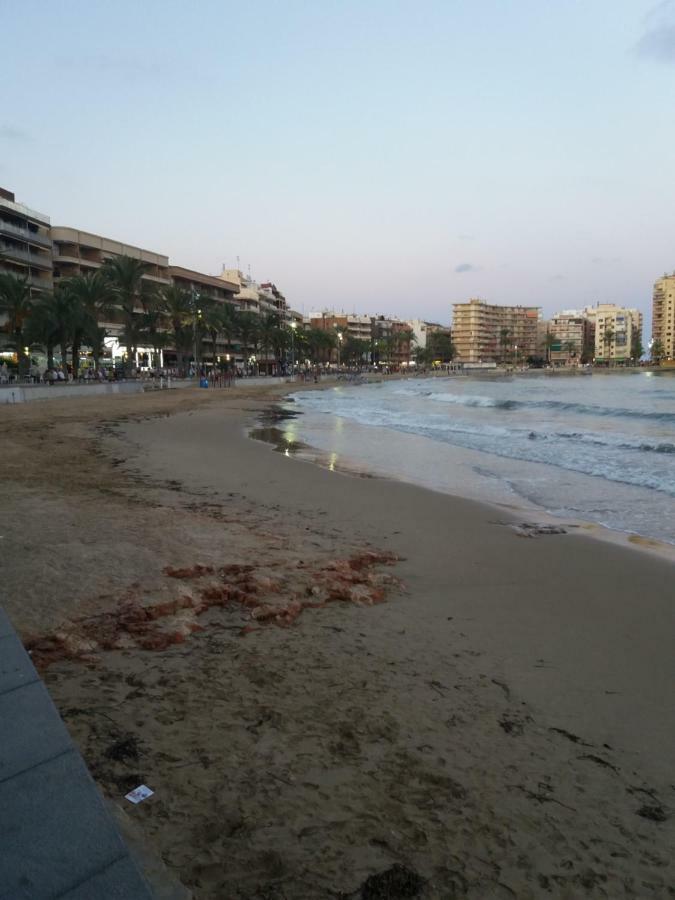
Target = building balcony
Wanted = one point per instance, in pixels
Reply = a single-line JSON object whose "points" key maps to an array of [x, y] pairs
{"points": [[25, 234], [67, 259], [40, 284], [24, 256], [24, 211]]}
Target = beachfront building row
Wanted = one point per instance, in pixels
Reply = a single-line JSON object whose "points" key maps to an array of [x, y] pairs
{"points": [[486, 332], [31, 248], [663, 318], [378, 339], [605, 334]]}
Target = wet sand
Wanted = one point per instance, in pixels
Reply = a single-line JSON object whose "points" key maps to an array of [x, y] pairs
{"points": [[500, 722]]}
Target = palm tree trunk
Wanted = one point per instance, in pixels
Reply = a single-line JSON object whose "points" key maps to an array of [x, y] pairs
{"points": [[75, 354]]}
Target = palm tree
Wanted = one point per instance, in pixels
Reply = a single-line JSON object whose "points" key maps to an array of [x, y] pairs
{"points": [[42, 328], [441, 346], [636, 348], [504, 341], [95, 337], [16, 303], [549, 341], [132, 294], [249, 331], [281, 341], [154, 321], [229, 325], [355, 350], [607, 339], [656, 351], [320, 344], [269, 326], [91, 297], [212, 324], [570, 348], [406, 340], [179, 312]]}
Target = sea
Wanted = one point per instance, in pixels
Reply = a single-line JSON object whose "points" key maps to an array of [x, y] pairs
{"points": [[594, 449]]}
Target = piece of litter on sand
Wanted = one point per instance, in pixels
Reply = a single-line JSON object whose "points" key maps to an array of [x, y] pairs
{"points": [[142, 792]]}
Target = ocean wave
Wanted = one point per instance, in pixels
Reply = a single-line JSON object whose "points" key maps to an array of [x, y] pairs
{"points": [[476, 400], [554, 405], [619, 442]]}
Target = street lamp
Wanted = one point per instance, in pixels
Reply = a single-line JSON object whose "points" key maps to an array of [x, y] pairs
{"points": [[339, 346], [197, 315], [294, 325]]}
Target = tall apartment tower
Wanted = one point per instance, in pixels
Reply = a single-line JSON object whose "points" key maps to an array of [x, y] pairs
{"points": [[663, 314], [25, 243], [483, 332]]}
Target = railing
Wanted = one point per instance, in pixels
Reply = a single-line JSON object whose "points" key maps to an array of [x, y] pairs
{"points": [[24, 210], [42, 283], [40, 262], [25, 234]]}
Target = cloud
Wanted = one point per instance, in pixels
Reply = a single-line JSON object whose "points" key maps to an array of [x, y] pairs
{"points": [[658, 41], [466, 267], [8, 133]]}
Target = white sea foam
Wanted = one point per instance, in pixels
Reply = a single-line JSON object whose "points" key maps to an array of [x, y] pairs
{"points": [[617, 429]]}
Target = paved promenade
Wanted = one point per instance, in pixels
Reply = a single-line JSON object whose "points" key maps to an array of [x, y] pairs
{"points": [[57, 838]]}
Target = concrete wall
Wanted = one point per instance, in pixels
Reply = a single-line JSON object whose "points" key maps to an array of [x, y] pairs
{"points": [[26, 393]]}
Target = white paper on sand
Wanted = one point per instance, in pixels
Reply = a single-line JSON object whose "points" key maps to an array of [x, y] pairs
{"points": [[142, 792]]}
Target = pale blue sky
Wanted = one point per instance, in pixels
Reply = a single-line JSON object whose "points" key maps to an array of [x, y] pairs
{"points": [[378, 156]]}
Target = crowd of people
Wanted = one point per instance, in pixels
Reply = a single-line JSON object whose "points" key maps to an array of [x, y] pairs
{"points": [[60, 374]]}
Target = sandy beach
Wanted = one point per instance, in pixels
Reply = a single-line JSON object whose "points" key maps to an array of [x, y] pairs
{"points": [[338, 686]]}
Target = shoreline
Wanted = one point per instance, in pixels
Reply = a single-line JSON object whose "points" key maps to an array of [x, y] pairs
{"points": [[498, 723], [268, 432]]}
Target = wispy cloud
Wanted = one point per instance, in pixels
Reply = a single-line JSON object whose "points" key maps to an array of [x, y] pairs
{"points": [[658, 40], [9, 133], [466, 267]]}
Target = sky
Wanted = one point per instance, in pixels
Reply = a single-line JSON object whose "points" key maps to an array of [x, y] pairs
{"points": [[377, 156]]}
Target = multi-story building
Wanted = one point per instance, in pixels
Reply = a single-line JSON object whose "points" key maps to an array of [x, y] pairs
{"points": [[261, 299], [349, 325], [346, 327], [393, 341], [210, 288], [573, 338], [617, 332], [484, 332], [78, 252], [663, 315], [423, 331], [205, 290], [419, 329], [25, 244]]}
